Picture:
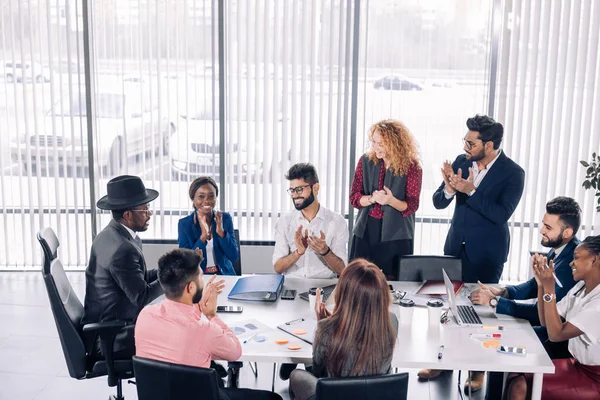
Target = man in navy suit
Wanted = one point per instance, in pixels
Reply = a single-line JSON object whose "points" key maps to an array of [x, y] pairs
{"points": [[487, 186], [559, 226]]}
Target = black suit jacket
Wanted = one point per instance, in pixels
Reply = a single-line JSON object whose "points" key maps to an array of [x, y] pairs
{"points": [[481, 221], [118, 285]]}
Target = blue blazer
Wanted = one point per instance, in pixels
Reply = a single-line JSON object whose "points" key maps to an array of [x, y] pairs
{"points": [[528, 290], [481, 221], [225, 248]]}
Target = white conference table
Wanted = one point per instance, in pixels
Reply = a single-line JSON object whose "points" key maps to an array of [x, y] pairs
{"points": [[417, 345]]}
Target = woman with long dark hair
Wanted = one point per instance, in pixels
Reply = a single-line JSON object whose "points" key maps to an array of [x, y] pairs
{"points": [[358, 338], [385, 190], [205, 224]]}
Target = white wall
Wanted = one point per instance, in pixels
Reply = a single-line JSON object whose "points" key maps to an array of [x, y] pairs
{"points": [[255, 259]]}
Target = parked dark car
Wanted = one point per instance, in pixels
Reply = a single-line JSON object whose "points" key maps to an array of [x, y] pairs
{"points": [[396, 82]]}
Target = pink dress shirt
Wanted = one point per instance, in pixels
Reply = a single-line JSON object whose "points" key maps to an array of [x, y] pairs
{"points": [[175, 332]]}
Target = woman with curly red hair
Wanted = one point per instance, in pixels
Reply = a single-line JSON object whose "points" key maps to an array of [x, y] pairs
{"points": [[386, 190]]}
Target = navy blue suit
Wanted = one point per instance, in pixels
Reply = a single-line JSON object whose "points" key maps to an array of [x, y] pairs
{"points": [[225, 248], [480, 221], [529, 289]]}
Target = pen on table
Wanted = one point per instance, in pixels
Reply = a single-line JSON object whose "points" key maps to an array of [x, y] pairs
{"points": [[486, 335], [441, 352], [249, 339], [555, 278]]}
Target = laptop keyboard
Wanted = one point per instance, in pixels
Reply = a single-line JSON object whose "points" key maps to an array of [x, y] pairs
{"points": [[468, 315]]}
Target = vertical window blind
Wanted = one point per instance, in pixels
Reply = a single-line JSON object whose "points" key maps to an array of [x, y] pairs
{"points": [[288, 97], [425, 64], [547, 97]]}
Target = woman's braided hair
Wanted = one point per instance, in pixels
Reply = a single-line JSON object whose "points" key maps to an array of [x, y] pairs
{"points": [[592, 244]]}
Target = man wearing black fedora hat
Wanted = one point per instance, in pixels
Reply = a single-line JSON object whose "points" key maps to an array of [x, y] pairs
{"points": [[118, 285]]}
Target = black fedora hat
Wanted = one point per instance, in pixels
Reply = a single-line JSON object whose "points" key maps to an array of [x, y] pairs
{"points": [[124, 192]]}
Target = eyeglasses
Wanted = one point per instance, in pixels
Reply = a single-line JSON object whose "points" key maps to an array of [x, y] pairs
{"points": [[297, 189], [470, 144], [147, 212]]}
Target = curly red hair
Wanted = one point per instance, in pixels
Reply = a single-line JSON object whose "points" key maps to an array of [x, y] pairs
{"points": [[399, 144]]}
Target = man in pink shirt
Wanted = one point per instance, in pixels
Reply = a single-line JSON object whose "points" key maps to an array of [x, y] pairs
{"points": [[174, 330]]}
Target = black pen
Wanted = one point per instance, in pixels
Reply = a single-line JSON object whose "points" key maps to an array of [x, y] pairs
{"points": [[441, 352]]}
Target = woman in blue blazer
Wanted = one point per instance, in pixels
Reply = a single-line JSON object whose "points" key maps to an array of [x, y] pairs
{"points": [[205, 224]]}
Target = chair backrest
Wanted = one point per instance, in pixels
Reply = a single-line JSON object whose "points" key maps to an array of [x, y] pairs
{"points": [[66, 307], [159, 380], [380, 387], [49, 243], [237, 266], [420, 268]]}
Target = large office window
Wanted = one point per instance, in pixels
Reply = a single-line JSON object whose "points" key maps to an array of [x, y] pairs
{"points": [[547, 97], [288, 96], [427, 65]]}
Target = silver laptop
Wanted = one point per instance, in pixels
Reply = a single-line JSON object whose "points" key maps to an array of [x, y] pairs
{"points": [[464, 315]]}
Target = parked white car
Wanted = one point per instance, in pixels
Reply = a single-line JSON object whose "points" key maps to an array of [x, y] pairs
{"points": [[194, 148], [124, 128], [25, 72]]}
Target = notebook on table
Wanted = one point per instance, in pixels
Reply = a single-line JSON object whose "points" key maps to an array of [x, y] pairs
{"points": [[298, 326], [257, 288]]}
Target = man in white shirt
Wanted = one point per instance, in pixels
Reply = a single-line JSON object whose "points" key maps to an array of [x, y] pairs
{"points": [[310, 242]]}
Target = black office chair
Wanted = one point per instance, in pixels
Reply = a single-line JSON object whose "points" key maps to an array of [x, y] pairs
{"points": [[420, 268], [158, 380], [237, 266], [380, 387], [67, 311]]}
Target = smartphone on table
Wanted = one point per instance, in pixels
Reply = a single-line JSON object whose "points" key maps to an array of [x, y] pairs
{"points": [[519, 351], [288, 294], [230, 309]]}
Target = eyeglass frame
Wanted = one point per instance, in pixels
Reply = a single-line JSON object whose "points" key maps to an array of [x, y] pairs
{"points": [[295, 190], [470, 144], [148, 211]]}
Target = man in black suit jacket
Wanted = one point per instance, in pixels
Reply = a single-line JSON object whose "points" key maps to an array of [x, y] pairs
{"points": [[487, 186], [118, 285]]}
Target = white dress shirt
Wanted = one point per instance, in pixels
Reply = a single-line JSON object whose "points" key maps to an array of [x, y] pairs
{"points": [[311, 264], [478, 175], [582, 310], [131, 231]]}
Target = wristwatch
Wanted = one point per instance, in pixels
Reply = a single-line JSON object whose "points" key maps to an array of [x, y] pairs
{"points": [[548, 297], [494, 302]]}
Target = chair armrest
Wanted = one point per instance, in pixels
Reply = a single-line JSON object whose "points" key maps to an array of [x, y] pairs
{"points": [[108, 331], [104, 328]]}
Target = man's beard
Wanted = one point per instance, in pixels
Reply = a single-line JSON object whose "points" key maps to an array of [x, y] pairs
{"points": [[307, 202], [477, 156], [553, 243], [197, 296]]}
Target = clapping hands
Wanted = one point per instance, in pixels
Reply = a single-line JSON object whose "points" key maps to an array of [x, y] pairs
{"points": [[208, 302], [383, 196]]}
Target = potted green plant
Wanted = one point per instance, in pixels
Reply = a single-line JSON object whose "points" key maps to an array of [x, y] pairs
{"points": [[592, 176]]}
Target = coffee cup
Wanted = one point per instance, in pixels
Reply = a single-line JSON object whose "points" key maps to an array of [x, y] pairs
{"points": [[312, 297], [434, 309], [407, 308]]}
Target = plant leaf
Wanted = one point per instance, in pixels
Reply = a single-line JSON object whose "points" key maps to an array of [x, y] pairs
{"points": [[584, 163]]}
